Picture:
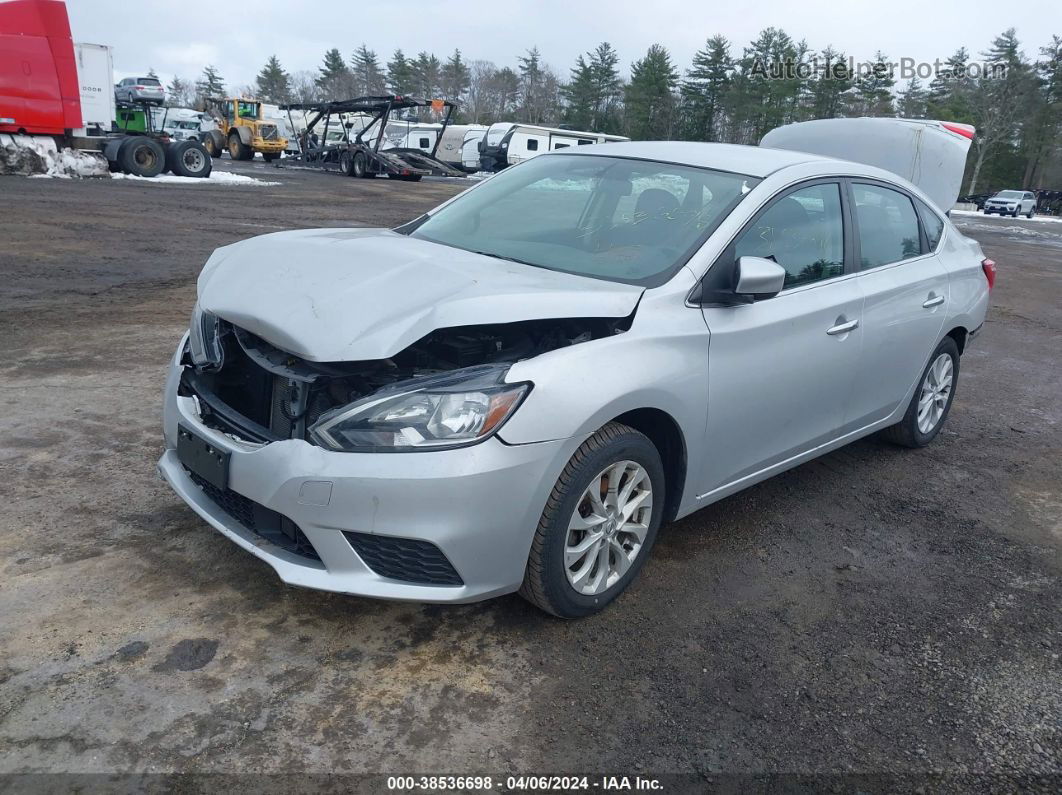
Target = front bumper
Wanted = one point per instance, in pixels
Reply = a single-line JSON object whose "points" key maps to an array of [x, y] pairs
{"points": [[479, 505]]}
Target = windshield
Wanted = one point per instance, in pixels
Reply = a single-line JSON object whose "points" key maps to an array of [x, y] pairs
{"points": [[613, 218], [247, 110], [1009, 194]]}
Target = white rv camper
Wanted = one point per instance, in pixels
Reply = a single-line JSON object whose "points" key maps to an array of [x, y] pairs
{"points": [[470, 148], [507, 144], [451, 145]]}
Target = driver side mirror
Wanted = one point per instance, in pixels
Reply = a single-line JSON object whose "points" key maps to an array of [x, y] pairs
{"points": [[759, 278]]}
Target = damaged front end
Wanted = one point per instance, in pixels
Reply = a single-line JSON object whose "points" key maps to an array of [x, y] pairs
{"points": [[446, 390]]}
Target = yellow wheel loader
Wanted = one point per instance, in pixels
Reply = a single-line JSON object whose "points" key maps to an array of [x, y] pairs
{"points": [[241, 131]]}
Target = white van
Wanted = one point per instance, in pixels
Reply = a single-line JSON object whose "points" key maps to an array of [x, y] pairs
{"points": [[507, 144]]}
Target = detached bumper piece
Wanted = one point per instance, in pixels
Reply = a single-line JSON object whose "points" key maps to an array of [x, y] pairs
{"points": [[273, 527], [405, 559]]}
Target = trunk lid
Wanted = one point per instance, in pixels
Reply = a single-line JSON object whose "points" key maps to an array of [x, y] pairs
{"points": [[929, 154]]}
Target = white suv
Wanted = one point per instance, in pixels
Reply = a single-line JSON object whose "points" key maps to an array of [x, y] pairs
{"points": [[1012, 202]]}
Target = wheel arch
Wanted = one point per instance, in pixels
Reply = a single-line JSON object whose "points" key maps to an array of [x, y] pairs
{"points": [[960, 335], [666, 435]]}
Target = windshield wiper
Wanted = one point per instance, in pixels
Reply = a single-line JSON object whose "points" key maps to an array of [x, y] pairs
{"points": [[502, 256]]}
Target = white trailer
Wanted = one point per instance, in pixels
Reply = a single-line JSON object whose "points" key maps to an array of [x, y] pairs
{"points": [[95, 77], [451, 145], [470, 148], [507, 144]]}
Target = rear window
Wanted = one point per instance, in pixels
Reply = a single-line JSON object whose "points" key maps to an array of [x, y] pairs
{"points": [[147, 81], [933, 225]]}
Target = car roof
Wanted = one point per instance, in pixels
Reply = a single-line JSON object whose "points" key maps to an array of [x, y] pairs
{"points": [[753, 161]]}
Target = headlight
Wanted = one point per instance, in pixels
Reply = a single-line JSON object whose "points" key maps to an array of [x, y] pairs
{"points": [[439, 411], [204, 340]]}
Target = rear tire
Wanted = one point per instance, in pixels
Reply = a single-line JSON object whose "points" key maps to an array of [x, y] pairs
{"points": [[913, 430], [359, 165], [142, 157], [188, 159], [346, 164], [574, 523]]}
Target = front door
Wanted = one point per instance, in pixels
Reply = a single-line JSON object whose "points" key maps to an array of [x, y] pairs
{"points": [[781, 370]]}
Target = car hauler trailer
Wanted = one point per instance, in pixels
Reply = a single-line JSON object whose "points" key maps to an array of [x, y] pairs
{"points": [[56, 94], [364, 155]]}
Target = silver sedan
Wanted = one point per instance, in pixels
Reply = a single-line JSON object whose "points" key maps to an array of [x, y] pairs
{"points": [[514, 391]]}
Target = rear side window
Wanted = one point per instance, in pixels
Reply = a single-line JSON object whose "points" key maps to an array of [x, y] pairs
{"points": [[803, 232], [532, 145], [932, 224], [888, 226]]}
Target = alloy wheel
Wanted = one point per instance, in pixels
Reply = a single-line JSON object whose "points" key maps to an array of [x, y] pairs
{"points": [[608, 527], [936, 390]]}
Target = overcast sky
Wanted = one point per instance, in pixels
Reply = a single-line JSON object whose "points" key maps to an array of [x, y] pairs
{"points": [[181, 36]]}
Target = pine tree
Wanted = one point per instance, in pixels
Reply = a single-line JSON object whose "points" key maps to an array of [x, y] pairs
{"points": [[704, 90], [151, 73], [873, 95], [913, 99], [334, 78], [368, 78], [274, 84], [455, 77], [210, 84], [531, 79], [650, 98], [178, 93], [427, 75], [400, 79], [831, 82], [594, 92]]}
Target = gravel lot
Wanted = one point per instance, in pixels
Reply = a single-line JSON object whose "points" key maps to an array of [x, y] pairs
{"points": [[878, 611]]}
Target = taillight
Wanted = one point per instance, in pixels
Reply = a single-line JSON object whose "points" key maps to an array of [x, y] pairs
{"points": [[989, 267]]}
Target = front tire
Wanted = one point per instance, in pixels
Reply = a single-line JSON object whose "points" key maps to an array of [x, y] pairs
{"points": [[238, 150], [599, 524], [931, 402]]}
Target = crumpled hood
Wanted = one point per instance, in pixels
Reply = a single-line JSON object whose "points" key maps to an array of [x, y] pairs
{"points": [[332, 295]]}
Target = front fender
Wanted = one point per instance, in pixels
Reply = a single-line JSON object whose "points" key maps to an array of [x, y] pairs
{"points": [[245, 134], [661, 363]]}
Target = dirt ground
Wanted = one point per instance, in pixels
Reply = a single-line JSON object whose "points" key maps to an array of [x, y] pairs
{"points": [[878, 611]]}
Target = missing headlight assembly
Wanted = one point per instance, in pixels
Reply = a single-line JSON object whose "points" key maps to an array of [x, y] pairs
{"points": [[446, 390]]}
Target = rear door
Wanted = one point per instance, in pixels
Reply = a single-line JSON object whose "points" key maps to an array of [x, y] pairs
{"points": [[780, 371], [905, 289]]}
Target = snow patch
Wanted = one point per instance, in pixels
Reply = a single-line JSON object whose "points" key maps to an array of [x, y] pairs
{"points": [[1051, 219], [216, 178], [40, 156]]}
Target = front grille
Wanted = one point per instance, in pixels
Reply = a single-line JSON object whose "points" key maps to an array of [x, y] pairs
{"points": [[405, 559], [264, 522], [268, 131]]}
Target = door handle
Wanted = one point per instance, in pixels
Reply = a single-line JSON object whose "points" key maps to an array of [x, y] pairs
{"points": [[842, 328], [934, 301]]}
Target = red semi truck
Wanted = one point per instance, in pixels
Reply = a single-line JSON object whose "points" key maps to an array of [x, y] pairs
{"points": [[40, 95]]}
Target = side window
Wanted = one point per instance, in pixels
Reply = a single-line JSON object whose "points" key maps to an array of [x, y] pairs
{"points": [[888, 226], [803, 232], [932, 224], [584, 142], [532, 144], [424, 143]]}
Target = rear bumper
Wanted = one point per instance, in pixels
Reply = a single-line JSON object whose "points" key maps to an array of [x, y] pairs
{"points": [[479, 505]]}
